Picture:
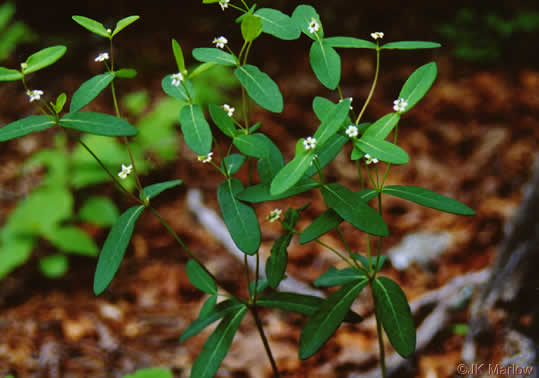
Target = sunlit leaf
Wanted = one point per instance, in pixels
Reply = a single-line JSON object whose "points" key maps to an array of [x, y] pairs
{"points": [[24, 126], [278, 24], [124, 22], [43, 58], [98, 124], [195, 129], [260, 87], [89, 90], [92, 25]]}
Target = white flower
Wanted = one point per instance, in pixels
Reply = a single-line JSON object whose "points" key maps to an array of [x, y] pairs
{"points": [[34, 94], [229, 109], [377, 35], [369, 159], [351, 131], [205, 158], [109, 31], [399, 105], [101, 57], [24, 65], [224, 4], [314, 26], [351, 99], [309, 143], [126, 170], [220, 42], [274, 215], [176, 79]]}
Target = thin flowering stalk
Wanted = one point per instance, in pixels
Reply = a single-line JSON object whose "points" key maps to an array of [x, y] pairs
{"points": [[372, 87]]}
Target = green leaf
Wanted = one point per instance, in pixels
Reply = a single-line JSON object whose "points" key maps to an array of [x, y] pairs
{"points": [[291, 218], [326, 64], [43, 58], [410, 45], [261, 193], [92, 25], [292, 172], [60, 102], [278, 259], [332, 122], [114, 248], [24, 126], [349, 43], [7, 74], [338, 277], [150, 373], [211, 54], [382, 150], [278, 24], [89, 90], [428, 198], [418, 84], [177, 91], [251, 27], [200, 278], [156, 189], [99, 210], [123, 23], [14, 252], [328, 152], [322, 107], [222, 120], [209, 1], [221, 310], [240, 219], [260, 87], [178, 56], [321, 225], [54, 266], [365, 261], [72, 239], [125, 73], [299, 303], [195, 129], [261, 286], [201, 68], [98, 124], [269, 167], [208, 306], [233, 163], [354, 210], [217, 345], [302, 16], [394, 313], [327, 319], [255, 145], [381, 128]]}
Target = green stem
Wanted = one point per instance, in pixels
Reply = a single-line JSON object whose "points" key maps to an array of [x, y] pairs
{"points": [[381, 345], [334, 251], [265, 341], [372, 87]]}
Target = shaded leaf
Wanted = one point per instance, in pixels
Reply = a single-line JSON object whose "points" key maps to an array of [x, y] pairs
{"points": [[302, 16], [200, 279], [349, 42], [330, 150], [232, 163], [365, 261], [99, 210], [54, 266], [338, 277], [321, 225], [155, 189], [125, 73], [72, 239], [332, 123], [195, 129], [410, 45], [292, 172], [382, 150], [25, 126], [89, 90], [260, 87], [278, 259], [177, 91], [261, 192], [255, 145], [278, 24], [222, 120], [381, 128], [326, 64], [98, 124], [211, 54]]}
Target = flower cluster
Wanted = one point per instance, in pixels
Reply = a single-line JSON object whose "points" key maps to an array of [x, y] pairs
{"points": [[399, 105], [176, 79], [274, 215], [377, 35], [228, 109], [314, 26], [126, 170], [309, 143], [205, 158], [370, 160], [220, 42], [34, 94], [102, 57], [224, 4], [351, 131]]}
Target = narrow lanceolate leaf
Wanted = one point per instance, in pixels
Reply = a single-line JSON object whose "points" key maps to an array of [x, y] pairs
{"points": [[251, 27], [291, 173], [200, 278], [195, 129], [376, 262], [410, 45], [178, 55], [277, 24], [349, 43], [338, 277], [261, 193], [260, 87], [125, 73], [381, 128], [321, 225], [210, 54], [382, 150], [89, 90], [302, 16], [418, 84], [255, 145], [328, 318], [326, 155], [24, 126], [240, 218], [299, 303], [204, 320], [217, 345], [428, 198], [326, 64], [208, 306], [351, 207], [92, 25], [60, 102], [156, 189], [394, 313], [332, 123], [98, 124], [277, 261], [269, 167], [8, 74], [124, 22], [114, 248], [177, 91], [222, 120], [43, 58]]}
